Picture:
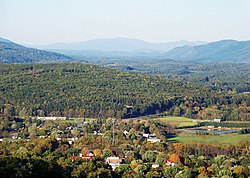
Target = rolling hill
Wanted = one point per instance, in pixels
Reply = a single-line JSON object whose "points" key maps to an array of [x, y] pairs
{"points": [[11, 52], [74, 89], [220, 51]]}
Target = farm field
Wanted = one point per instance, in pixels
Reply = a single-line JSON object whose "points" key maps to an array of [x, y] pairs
{"points": [[216, 139], [178, 121]]}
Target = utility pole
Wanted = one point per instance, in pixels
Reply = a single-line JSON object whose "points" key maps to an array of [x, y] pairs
{"points": [[113, 139]]}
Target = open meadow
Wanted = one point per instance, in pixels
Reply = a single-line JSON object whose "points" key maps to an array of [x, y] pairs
{"points": [[178, 121], [233, 138]]}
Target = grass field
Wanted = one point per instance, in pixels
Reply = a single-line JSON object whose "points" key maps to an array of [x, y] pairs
{"points": [[215, 139], [178, 121]]}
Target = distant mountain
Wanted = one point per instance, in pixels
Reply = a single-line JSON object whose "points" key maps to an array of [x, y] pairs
{"points": [[231, 51], [119, 44], [220, 51], [106, 54], [11, 52]]}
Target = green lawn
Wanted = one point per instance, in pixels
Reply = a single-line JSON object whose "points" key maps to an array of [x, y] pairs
{"points": [[178, 121], [216, 139]]}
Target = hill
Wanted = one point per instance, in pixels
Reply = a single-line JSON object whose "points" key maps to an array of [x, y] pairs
{"points": [[11, 52], [220, 51], [77, 90], [5, 40]]}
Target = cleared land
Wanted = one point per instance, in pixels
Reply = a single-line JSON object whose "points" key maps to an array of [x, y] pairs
{"points": [[178, 121], [215, 139]]}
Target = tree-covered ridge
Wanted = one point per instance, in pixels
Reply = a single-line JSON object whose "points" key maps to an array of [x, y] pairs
{"points": [[14, 53], [219, 51], [219, 76], [73, 89]]}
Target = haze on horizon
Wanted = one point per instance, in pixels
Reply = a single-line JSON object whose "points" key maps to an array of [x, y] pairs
{"points": [[46, 21]]}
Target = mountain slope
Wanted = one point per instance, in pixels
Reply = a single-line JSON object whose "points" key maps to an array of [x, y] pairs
{"points": [[220, 51], [5, 40], [11, 52], [119, 44]]}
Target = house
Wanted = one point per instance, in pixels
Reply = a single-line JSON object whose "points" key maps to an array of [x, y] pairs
{"points": [[89, 156], [217, 120], [155, 166], [114, 162], [146, 135], [125, 132], [153, 140], [71, 140], [210, 126]]}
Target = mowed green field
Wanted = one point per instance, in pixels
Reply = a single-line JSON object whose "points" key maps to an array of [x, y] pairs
{"points": [[178, 121], [233, 138]]}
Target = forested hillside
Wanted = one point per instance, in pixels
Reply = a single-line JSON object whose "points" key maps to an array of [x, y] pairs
{"points": [[91, 91], [14, 53], [218, 76]]}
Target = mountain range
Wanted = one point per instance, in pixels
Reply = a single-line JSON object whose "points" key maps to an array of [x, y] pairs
{"points": [[229, 51], [119, 44]]}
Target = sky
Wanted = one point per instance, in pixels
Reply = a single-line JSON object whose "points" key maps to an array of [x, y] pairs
{"points": [[51, 21]]}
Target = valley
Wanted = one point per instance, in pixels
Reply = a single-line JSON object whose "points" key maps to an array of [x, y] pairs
{"points": [[121, 117]]}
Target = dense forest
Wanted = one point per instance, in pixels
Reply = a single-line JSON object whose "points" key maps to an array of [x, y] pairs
{"points": [[80, 90], [218, 76]]}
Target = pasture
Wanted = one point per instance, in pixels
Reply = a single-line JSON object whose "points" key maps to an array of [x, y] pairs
{"points": [[233, 138], [178, 121]]}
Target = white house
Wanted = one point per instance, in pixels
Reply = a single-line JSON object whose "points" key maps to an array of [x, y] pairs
{"points": [[113, 161], [146, 135], [217, 120], [155, 166], [153, 140], [125, 132]]}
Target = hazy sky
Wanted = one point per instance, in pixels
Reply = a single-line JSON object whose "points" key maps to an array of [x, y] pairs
{"points": [[50, 21]]}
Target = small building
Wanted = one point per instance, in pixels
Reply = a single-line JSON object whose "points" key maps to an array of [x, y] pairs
{"points": [[217, 120], [125, 132], [71, 140], [155, 166], [153, 140], [89, 156], [146, 135], [210, 126], [114, 162]]}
